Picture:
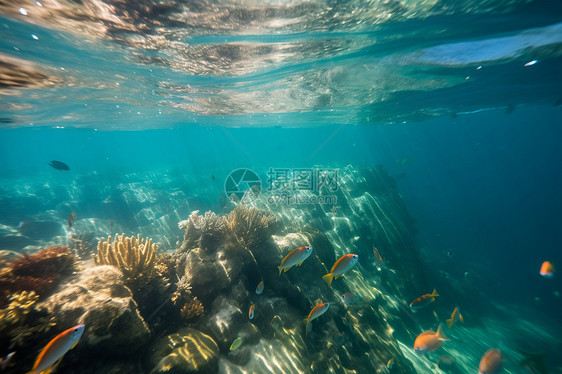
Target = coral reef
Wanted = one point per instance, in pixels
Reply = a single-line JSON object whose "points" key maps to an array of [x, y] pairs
{"points": [[100, 300], [190, 307], [249, 225], [187, 351], [21, 320], [135, 257], [40, 272], [207, 231]]}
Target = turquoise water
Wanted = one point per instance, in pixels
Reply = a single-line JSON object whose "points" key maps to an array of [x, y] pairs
{"points": [[442, 119]]}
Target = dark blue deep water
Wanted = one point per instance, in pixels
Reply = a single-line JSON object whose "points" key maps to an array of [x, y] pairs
{"points": [[152, 104]]}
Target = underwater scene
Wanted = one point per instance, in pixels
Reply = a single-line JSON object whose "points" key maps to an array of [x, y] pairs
{"points": [[268, 186]]}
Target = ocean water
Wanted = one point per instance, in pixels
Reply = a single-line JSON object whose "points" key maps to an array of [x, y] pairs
{"points": [[430, 130]]}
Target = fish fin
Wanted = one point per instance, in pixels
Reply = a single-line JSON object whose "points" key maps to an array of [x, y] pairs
{"points": [[300, 263], [441, 335], [286, 270], [460, 318], [449, 322], [280, 270], [328, 278], [337, 276], [434, 293]]}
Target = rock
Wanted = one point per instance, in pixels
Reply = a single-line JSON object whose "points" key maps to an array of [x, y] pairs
{"points": [[187, 351], [100, 300], [214, 272]]}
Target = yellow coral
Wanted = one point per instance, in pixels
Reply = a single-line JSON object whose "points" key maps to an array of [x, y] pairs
{"points": [[192, 309], [134, 256], [21, 304]]}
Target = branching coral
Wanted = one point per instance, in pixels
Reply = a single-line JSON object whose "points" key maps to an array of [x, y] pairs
{"points": [[206, 231], [39, 272], [134, 256], [250, 225], [190, 306]]}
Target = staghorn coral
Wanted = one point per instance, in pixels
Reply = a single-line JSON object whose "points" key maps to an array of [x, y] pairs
{"points": [[249, 225], [40, 272], [135, 257], [206, 231], [20, 321]]}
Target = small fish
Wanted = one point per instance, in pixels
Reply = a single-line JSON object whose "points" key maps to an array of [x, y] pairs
{"points": [[71, 219], [342, 265], [108, 300], [547, 270], [466, 274], [429, 341], [447, 363], [59, 165], [316, 312], [491, 362], [251, 312], [213, 177], [424, 300], [449, 253], [259, 288], [296, 257], [390, 363], [5, 361], [377, 255], [236, 343], [350, 299], [53, 352], [455, 317]]}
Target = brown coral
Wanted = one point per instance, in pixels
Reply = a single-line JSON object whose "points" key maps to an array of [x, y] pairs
{"points": [[192, 309], [40, 272], [135, 257], [250, 225]]}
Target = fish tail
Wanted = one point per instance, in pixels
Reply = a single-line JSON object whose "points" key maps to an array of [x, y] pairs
{"points": [[460, 318], [328, 278], [441, 335], [434, 293], [280, 269], [449, 322], [307, 325]]}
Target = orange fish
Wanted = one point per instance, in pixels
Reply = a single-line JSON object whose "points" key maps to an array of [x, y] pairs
{"points": [[491, 362], [455, 317], [251, 312], [316, 312], [259, 288], [547, 269], [424, 300], [53, 352], [377, 254], [342, 265], [296, 257], [429, 341]]}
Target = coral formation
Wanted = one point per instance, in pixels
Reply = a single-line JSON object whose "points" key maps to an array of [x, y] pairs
{"points": [[100, 300], [21, 320], [40, 272], [206, 231], [190, 307], [249, 225], [187, 351], [135, 257]]}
